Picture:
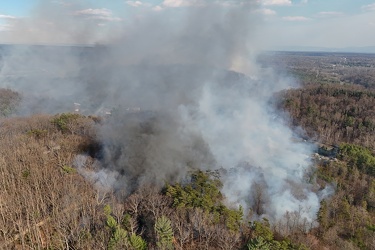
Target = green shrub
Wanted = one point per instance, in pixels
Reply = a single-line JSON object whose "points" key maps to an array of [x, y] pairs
{"points": [[62, 121], [204, 192], [37, 133], [359, 157], [69, 170], [120, 238]]}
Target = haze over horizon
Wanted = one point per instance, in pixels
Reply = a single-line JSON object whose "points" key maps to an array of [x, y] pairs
{"points": [[344, 25]]}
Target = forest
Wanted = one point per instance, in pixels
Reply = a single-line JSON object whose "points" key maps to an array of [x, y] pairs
{"points": [[51, 199]]}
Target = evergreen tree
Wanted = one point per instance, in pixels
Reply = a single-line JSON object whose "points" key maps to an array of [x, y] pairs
{"points": [[164, 232]]}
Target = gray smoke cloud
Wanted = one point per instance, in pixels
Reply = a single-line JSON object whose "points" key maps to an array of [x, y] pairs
{"points": [[186, 93]]}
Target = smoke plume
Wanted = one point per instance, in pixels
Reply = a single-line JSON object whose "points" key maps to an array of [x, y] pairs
{"points": [[184, 90]]}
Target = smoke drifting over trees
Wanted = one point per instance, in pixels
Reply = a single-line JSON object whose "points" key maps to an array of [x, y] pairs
{"points": [[204, 102]]}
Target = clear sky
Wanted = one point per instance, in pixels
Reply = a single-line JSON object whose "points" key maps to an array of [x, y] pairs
{"points": [[318, 23], [17, 8]]}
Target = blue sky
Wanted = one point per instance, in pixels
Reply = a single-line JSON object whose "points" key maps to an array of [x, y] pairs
{"points": [[308, 8], [320, 23], [17, 8], [312, 7]]}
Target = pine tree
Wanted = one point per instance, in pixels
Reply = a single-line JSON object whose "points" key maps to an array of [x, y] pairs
{"points": [[164, 232]]}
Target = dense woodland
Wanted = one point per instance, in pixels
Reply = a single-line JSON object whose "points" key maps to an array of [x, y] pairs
{"points": [[333, 113], [335, 108], [47, 203]]}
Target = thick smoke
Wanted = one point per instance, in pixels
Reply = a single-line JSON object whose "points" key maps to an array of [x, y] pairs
{"points": [[185, 93]]}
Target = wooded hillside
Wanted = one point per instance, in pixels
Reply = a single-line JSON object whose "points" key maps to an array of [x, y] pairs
{"points": [[48, 201], [333, 113]]}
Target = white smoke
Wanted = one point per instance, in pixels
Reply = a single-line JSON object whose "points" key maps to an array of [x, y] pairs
{"points": [[176, 66]]}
